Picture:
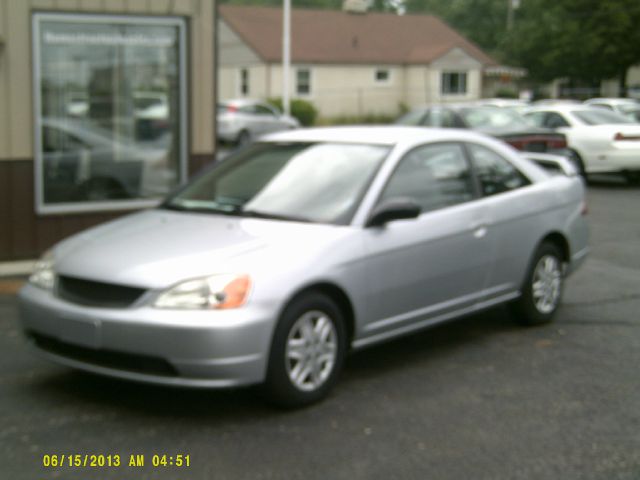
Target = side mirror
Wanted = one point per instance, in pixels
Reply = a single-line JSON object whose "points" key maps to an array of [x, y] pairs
{"points": [[393, 209]]}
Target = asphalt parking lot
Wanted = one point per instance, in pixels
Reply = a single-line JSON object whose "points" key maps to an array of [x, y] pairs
{"points": [[476, 399]]}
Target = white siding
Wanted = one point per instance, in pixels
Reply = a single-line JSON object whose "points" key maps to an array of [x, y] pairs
{"points": [[233, 51], [344, 90]]}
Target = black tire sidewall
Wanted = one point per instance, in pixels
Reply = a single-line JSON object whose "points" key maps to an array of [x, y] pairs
{"points": [[278, 386], [244, 139], [576, 159]]}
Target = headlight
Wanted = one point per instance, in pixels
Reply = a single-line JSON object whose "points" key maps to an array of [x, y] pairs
{"points": [[43, 275], [214, 292]]}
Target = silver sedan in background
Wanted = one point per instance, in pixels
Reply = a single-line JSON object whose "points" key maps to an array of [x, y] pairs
{"points": [[271, 266], [242, 121]]}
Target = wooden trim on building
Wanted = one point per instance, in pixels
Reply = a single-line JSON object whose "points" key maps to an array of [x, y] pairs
{"points": [[25, 234]]}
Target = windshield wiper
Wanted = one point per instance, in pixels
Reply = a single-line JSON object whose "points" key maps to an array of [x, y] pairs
{"points": [[273, 216], [234, 210], [184, 208]]}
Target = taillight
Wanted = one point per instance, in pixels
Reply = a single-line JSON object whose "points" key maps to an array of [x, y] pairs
{"points": [[558, 143], [232, 108], [538, 143], [621, 137]]}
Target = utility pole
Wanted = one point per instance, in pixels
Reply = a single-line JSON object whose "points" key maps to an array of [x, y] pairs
{"points": [[512, 5], [286, 55]]}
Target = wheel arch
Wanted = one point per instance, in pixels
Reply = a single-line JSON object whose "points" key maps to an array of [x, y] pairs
{"points": [[559, 240], [335, 293]]}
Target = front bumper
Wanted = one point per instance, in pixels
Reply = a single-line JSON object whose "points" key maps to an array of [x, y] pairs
{"points": [[169, 347]]}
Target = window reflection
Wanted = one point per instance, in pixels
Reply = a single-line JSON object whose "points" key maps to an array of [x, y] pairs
{"points": [[110, 108]]}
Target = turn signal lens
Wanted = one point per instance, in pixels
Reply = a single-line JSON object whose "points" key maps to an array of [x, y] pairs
{"points": [[235, 293]]}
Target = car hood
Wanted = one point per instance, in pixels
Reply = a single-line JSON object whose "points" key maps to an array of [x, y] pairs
{"points": [[158, 248]]}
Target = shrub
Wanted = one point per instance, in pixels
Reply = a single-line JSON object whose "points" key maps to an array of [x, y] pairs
{"points": [[303, 110], [506, 92], [368, 119]]}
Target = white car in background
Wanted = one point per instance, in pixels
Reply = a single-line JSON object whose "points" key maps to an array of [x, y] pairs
{"points": [[242, 121], [514, 104], [627, 107], [602, 141]]}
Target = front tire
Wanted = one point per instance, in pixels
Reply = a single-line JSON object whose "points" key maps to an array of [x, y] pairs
{"points": [[307, 352], [542, 289]]}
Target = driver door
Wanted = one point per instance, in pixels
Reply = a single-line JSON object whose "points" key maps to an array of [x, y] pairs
{"points": [[434, 264]]}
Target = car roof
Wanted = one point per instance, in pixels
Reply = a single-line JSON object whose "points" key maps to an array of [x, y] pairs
{"points": [[378, 135], [561, 108], [612, 101], [458, 105]]}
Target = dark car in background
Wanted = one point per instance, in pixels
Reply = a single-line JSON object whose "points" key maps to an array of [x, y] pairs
{"points": [[502, 123]]}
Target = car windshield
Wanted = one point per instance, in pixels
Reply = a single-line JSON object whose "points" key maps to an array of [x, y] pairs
{"points": [[596, 116], [314, 182], [482, 117]]}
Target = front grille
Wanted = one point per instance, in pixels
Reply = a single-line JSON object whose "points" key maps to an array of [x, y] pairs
{"points": [[96, 294], [105, 358]]}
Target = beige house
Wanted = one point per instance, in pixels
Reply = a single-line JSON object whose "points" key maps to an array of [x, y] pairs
{"points": [[348, 63], [105, 105]]}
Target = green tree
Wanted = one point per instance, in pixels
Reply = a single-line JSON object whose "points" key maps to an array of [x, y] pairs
{"points": [[587, 40], [481, 21]]}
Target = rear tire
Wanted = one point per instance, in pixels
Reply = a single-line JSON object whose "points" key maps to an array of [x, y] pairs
{"points": [[307, 352], [542, 289], [577, 161], [633, 178], [244, 139]]}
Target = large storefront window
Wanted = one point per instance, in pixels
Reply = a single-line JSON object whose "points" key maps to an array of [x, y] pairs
{"points": [[110, 110]]}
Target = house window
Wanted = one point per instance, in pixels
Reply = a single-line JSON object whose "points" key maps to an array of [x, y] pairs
{"points": [[110, 105], [303, 81], [454, 83], [244, 82], [382, 75]]}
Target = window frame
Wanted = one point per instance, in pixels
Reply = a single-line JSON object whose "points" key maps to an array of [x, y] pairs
{"points": [[244, 80], [444, 85], [308, 94], [385, 81], [37, 19]]}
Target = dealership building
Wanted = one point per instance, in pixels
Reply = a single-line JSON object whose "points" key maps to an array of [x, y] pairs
{"points": [[105, 105]]}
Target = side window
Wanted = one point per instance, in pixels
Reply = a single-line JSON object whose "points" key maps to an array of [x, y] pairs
{"points": [[264, 110], [536, 118], [555, 120], [495, 174], [433, 176], [250, 109], [439, 117]]}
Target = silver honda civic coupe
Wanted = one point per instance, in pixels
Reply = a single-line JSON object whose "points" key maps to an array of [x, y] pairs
{"points": [[269, 267]]}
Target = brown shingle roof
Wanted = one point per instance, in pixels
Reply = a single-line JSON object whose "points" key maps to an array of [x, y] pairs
{"points": [[331, 36]]}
